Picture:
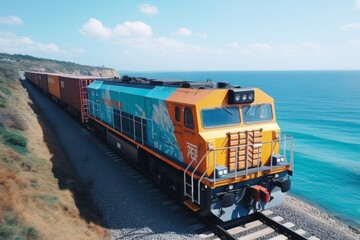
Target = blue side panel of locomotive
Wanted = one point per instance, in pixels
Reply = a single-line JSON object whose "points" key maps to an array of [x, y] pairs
{"points": [[138, 112]]}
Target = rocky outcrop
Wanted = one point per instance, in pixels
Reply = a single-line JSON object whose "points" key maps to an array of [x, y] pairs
{"points": [[98, 72]]}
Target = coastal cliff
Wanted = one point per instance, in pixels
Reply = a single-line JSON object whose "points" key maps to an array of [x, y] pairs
{"points": [[35, 195], [29, 63]]}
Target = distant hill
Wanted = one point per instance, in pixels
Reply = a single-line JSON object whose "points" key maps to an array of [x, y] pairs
{"points": [[27, 63]]}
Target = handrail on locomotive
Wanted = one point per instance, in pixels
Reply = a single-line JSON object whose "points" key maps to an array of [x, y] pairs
{"points": [[287, 151]]}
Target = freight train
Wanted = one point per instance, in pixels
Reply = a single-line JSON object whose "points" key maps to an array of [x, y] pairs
{"points": [[217, 147]]}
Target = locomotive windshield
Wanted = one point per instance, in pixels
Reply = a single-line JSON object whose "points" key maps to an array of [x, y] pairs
{"points": [[218, 117], [257, 113]]}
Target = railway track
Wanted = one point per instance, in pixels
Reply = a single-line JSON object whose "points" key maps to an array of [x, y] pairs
{"points": [[256, 226]]}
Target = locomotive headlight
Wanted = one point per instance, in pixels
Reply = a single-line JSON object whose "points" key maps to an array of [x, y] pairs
{"points": [[240, 95], [210, 146], [221, 171], [277, 159], [251, 97]]}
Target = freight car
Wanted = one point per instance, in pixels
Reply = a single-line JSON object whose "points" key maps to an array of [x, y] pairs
{"points": [[68, 91], [218, 148]]}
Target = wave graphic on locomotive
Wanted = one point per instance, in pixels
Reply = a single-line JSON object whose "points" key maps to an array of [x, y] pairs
{"points": [[218, 148]]}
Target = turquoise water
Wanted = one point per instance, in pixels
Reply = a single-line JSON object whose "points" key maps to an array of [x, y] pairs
{"points": [[321, 110]]}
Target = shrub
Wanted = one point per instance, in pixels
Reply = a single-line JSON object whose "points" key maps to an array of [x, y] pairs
{"points": [[30, 233], [35, 183], [14, 139], [10, 228], [50, 200], [2, 102], [4, 89]]}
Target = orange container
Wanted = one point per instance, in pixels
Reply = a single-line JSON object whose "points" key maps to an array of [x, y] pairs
{"points": [[54, 85], [43, 82]]}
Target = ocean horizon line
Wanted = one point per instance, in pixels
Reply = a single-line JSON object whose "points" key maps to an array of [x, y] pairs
{"points": [[294, 70]]}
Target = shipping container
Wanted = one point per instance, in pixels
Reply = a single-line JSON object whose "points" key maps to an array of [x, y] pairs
{"points": [[43, 82], [74, 94], [27, 76], [54, 85], [35, 79], [31, 76]]}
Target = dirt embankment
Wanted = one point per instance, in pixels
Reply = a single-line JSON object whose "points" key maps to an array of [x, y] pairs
{"points": [[39, 194]]}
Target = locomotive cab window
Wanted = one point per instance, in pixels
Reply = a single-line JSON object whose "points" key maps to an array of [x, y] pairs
{"points": [[257, 113], [219, 117], [189, 120], [177, 114]]}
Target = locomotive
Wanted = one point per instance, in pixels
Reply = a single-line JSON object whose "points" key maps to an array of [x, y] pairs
{"points": [[217, 147]]}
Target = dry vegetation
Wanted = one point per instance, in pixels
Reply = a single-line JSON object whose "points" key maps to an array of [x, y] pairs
{"points": [[33, 205]]}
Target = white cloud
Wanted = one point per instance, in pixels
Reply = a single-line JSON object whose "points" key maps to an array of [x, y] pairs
{"points": [[182, 32], [95, 28], [299, 49], [11, 43], [11, 20], [354, 42], [357, 4], [77, 50], [202, 35], [149, 9], [232, 45], [260, 47], [288, 47], [135, 29], [350, 26], [309, 45], [170, 45], [121, 31], [168, 42]]}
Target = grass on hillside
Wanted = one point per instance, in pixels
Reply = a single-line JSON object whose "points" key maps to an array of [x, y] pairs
{"points": [[12, 161], [11, 225], [32, 206]]}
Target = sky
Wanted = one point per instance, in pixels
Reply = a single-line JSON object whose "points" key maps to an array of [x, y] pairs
{"points": [[196, 35]]}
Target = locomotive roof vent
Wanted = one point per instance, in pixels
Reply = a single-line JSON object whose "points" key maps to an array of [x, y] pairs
{"points": [[223, 85]]}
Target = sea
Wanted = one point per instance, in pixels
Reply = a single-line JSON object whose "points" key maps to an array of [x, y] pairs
{"points": [[321, 110]]}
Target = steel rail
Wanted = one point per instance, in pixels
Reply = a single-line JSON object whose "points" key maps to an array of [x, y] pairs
{"points": [[220, 230], [278, 227]]}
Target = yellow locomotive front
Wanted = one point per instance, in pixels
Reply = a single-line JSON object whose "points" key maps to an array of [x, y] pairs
{"points": [[242, 163]]}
